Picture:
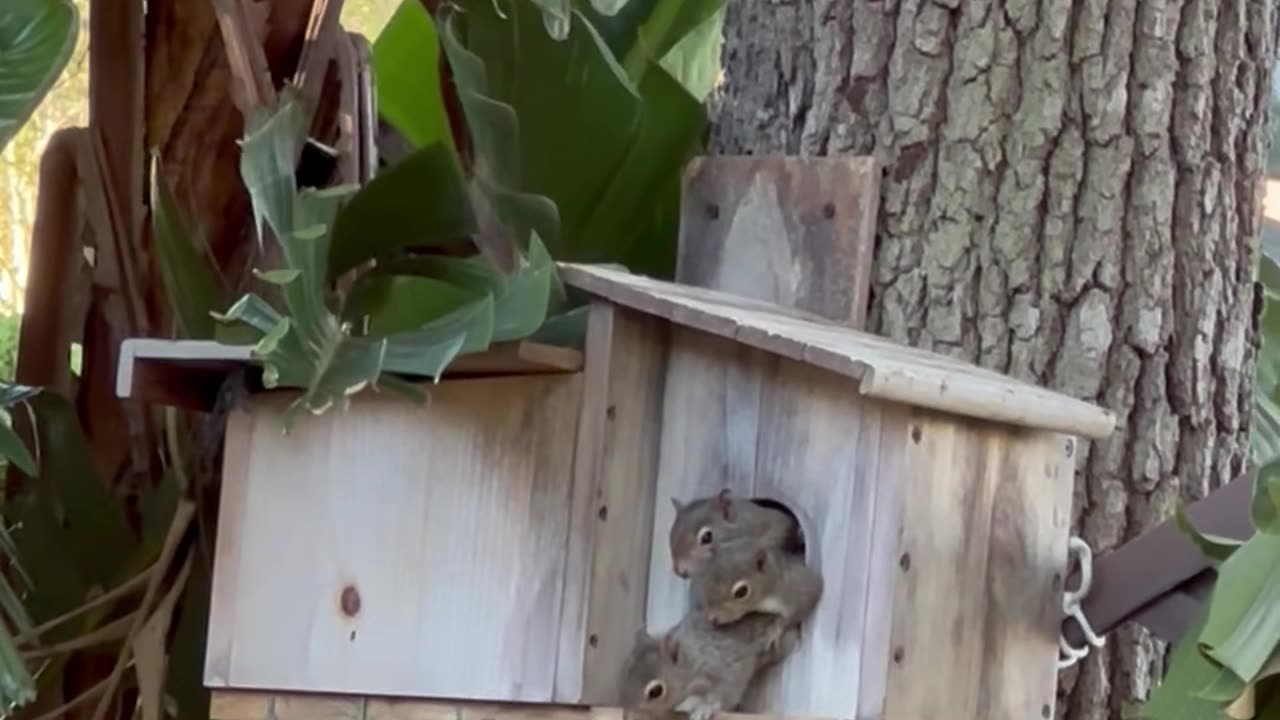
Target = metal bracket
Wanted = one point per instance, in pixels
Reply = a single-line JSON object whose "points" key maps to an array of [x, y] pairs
{"points": [[1067, 654]]}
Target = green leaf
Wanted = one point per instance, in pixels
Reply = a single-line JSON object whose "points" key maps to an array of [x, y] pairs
{"points": [[1188, 672], [398, 303], [185, 271], [12, 449], [1243, 626], [495, 134], [521, 306], [1224, 687], [37, 38], [421, 201], [1265, 507], [1264, 435], [647, 30], [694, 61], [568, 329], [642, 225], [407, 74], [268, 155], [614, 184], [278, 277], [1215, 547]]}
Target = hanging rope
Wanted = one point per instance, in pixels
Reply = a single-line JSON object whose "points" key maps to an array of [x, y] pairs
{"points": [[1068, 655]]}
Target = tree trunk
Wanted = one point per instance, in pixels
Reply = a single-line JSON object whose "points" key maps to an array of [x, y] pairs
{"points": [[1071, 196]]}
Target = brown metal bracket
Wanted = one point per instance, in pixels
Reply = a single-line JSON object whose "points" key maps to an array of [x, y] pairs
{"points": [[1161, 579]]}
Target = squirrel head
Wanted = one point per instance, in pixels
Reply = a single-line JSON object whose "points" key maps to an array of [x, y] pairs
{"points": [[655, 675], [739, 582], [695, 530]]}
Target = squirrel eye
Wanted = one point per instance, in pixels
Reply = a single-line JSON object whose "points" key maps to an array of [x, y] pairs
{"points": [[704, 536], [741, 590], [655, 690]]}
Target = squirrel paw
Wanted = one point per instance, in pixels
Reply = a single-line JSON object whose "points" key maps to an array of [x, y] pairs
{"points": [[704, 711]]}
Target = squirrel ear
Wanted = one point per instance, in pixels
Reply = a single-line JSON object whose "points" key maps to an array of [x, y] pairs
{"points": [[762, 559], [723, 502], [671, 647], [676, 504], [642, 635]]}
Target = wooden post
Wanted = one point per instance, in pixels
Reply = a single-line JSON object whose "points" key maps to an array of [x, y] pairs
{"points": [[799, 232]]}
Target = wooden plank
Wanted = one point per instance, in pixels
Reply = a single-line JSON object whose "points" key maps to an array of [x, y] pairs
{"points": [[250, 705], [799, 232], [883, 369], [939, 616], [615, 468], [408, 709], [240, 705], [188, 373], [773, 428], [228, 547], [1027, 561], [819, 454], [888, 496], [370, 540], [710, 426], [301, 707]]}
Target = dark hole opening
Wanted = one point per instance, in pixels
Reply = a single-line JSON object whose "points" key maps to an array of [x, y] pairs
{"points": [[796, 542]]}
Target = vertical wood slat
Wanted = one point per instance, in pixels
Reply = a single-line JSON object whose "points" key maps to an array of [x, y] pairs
{"points": [[771, 427], [1029, 530], [710, 421], [937, 636], [976, 616], [796, 231], [614, 476]]}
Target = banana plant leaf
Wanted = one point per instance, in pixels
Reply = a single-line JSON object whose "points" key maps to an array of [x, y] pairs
{"points": [[389, 325], [36, 41], [684, 36], [186, 271], [562, 121], [406, 65], [608, 151]]}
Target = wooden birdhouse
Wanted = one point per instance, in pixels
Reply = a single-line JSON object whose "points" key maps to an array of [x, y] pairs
{"points": [[502, 543]]}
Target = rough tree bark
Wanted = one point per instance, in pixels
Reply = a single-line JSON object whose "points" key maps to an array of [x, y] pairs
{"points": [[1071, 196]]}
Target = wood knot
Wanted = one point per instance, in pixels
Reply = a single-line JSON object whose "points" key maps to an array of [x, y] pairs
{"points": [[898, 654], [915, 434], [610, 412], [603, 513], [350, 601], [1045, 711], [593, 640], [713, 211], [904, 562], [1070, 447], [829, 210]]}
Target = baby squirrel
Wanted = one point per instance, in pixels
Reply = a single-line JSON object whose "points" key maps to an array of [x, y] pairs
{"points": [[701, 669], [721, 520], [745, 579]]}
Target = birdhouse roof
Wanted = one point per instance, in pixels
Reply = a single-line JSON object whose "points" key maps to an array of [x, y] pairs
{"points": [[882, 368]]}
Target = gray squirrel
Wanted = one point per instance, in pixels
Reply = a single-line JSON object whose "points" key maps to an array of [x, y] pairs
{"points": [[705, 525], [700, 668]]}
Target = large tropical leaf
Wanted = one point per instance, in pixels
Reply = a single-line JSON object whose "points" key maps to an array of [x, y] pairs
{"points": [[606, 149], [681, 35], [36, 41], [391, 325], [419, 202], [406, 65], [187, 273]]}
